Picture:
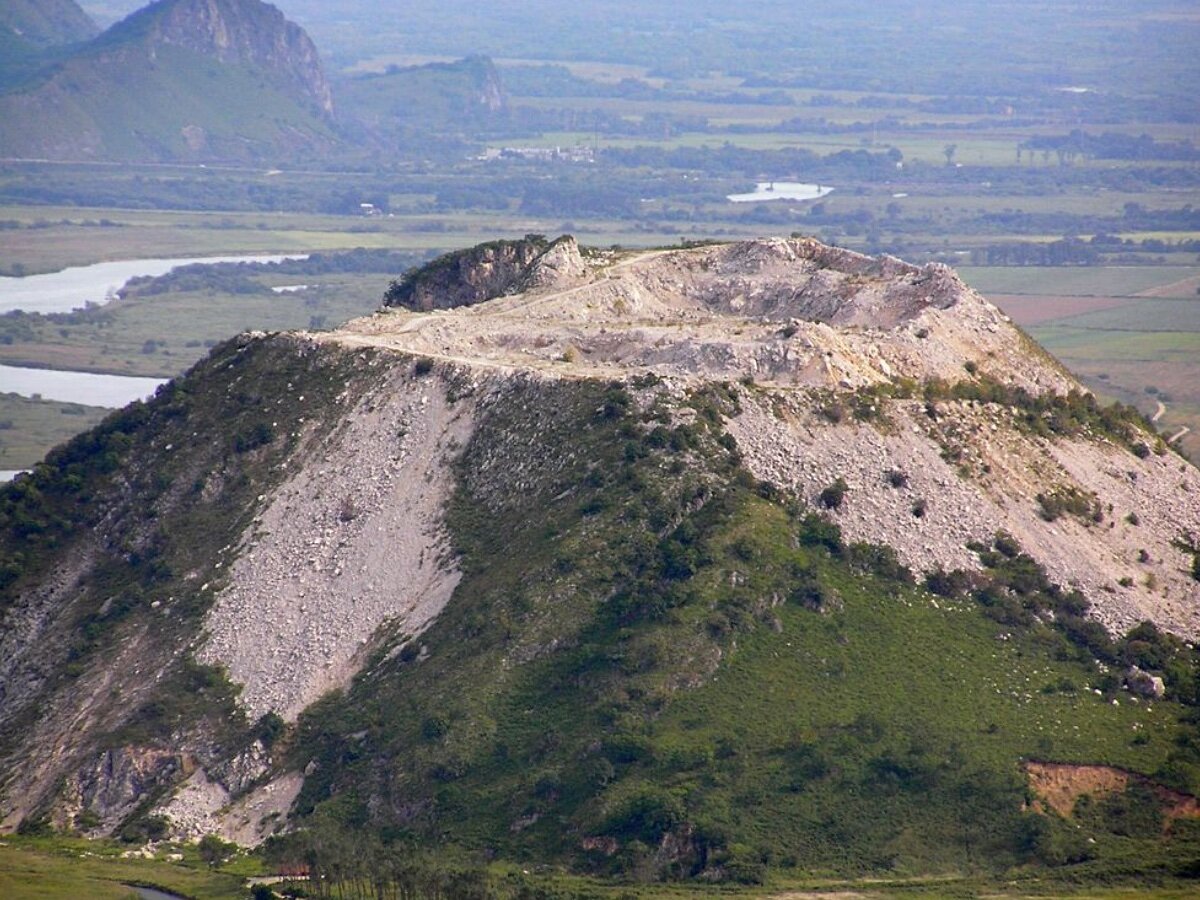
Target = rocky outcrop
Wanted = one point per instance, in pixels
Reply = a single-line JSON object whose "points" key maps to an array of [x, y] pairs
{"points": [[786, 313], [1144, 684], [468, 277], [110, 787]]}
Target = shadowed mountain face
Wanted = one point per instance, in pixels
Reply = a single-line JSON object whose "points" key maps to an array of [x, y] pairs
{"points": [[45, 23], [178, 80], [240, 32]]}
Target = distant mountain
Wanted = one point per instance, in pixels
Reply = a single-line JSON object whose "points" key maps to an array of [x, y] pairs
{"points": [[179, 80], [33, 34], [416, 104], [45, 23]]}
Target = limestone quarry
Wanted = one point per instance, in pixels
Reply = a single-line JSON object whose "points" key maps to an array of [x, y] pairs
{"points": [[348, 544]]}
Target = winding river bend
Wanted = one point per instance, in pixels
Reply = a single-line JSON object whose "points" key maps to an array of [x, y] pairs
{"points": [[75, 287]]}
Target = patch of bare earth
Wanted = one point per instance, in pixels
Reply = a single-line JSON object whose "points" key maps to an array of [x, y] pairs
{"points": [[1185, 287], [1027, 309], [1058, 786]]}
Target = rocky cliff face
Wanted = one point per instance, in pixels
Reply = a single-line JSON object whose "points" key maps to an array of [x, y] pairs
{"points": [[248, 32], [307, 543], [468, 277]]}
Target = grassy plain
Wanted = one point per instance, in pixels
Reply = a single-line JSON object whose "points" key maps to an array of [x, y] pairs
{"points": [[161, 335], [56, 868], [28, 428], [1104, 281], [61, 238]]}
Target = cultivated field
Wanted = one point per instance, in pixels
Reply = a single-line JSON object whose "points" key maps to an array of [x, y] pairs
{"points": [[1132, 334]]}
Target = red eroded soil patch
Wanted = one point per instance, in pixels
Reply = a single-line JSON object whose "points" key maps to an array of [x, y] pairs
{"points": [[1059, 785], [1031, 309]]}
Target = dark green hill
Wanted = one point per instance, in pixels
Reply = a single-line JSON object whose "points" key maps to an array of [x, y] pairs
{"points": [[178, 80], [33, 34], [414, 105], [45, 23]]}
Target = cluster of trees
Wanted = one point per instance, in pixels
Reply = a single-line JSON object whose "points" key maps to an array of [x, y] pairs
{"points": [[1110, 145], [1066, 252], [330, 862]]}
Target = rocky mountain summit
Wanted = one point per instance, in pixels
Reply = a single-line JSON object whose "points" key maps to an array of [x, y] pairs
{"points": [[798, 323], [245, 32], [604, 475]]}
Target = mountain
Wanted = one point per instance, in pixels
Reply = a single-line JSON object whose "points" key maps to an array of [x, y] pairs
{"points": [[413, 106], [45, 23], [32, 35], [719, 563], [178, 80]]}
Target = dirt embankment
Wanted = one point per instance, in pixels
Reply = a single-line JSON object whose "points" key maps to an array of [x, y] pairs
{"points": [[1058, 786]]}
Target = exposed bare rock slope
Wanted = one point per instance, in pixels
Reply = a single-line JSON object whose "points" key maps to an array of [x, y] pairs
{"points": [[351, 540], [802, 324]]}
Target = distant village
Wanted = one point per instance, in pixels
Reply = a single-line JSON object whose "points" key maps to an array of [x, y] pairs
{"points": [[580, 153]]}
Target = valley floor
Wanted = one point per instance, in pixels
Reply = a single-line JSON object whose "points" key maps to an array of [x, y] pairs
{"points": [[52, 868]]}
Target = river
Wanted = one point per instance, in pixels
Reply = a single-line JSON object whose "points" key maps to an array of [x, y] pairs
{"points": [[87, 388], [75, 287], [781, 190]]}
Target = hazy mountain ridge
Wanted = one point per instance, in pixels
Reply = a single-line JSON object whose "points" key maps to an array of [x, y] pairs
{"points": [[46, 23], [414, 105], [180, 79], [634, 568], [246, 32]]}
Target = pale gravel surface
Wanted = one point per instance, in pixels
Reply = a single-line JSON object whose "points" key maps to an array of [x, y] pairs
{"points": [[194, 810], [203, 806], [800, 450], [353, 539], [787, 312]]}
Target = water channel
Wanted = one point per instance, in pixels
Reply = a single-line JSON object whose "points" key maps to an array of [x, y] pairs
{"points": [[77, 286]]}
